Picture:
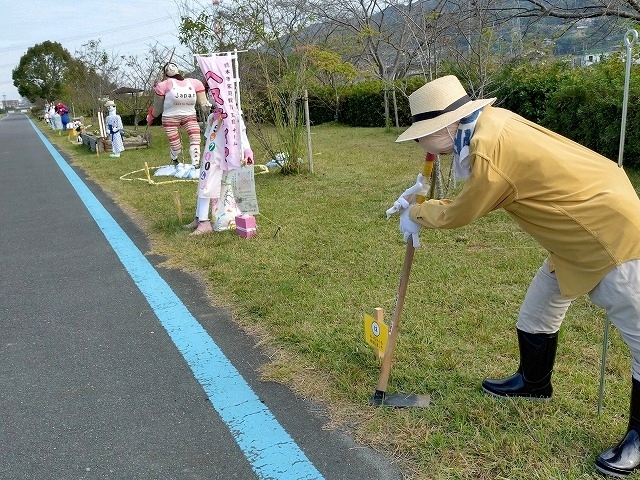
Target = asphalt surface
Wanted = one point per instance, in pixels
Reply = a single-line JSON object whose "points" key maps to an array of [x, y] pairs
{"points": [[95, 380]]}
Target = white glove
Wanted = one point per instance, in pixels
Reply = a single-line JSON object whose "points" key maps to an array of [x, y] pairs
{"points": [[398, 206], [408, 197], [409, 228]]}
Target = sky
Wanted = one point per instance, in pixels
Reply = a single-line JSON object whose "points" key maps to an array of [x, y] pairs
{"points": [[123, 28]]}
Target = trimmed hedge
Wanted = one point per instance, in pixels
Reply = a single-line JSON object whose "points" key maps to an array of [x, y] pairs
{"points": [[587, 108], [581, 103], [361, 105]]}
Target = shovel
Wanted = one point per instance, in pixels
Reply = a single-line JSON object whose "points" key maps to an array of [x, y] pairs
{"points": [[380, 396]]}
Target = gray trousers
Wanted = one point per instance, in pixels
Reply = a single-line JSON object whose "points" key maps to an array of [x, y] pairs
{"points": [[618, 293]]}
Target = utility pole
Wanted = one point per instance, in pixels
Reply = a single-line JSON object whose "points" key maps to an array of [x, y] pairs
{"points": [[4, 102]]}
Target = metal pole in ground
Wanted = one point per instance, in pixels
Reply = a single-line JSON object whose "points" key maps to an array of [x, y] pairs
{"points": [[630, 38]]}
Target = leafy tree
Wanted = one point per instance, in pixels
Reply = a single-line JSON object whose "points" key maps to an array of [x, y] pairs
{"points": [[91, 77], [41, 73], [329, 69]]}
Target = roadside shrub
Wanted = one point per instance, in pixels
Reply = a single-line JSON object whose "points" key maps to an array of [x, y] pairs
{"points": [[526, 89], [363, 105], [587, 108], [581, 103], [322, 108]]}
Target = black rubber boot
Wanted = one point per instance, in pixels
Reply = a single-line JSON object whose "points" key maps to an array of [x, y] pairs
{"points": [[533, 378], [624, 458]]}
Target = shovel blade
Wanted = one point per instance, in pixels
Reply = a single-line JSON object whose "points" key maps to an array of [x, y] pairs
{"points": [[399, 400]]}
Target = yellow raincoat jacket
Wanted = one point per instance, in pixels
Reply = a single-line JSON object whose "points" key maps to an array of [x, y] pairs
{"points": [[579, 205]]}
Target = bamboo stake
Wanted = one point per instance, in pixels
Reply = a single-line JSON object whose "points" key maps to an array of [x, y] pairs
{"points": [[146, 170], [176, 201]]}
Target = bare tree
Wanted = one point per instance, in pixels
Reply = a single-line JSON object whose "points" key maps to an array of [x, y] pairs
{"points": [[365, 28], [271, 30], [602, 17], [427, 36], [140, 75], [101, 72], [477, 48], [271, 26], [573, 10]]}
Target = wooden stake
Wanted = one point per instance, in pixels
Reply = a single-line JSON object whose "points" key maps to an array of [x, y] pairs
{"points": [[146, 169], [378, 314], [176, 201]]}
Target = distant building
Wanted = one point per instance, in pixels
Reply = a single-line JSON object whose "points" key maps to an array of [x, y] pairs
{"points": [[591, 58], [20, 105], [11, 104], [587, 58]]}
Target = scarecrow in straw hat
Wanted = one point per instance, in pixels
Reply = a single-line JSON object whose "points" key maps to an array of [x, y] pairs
{"points": [[175, 99], [579, 205]]}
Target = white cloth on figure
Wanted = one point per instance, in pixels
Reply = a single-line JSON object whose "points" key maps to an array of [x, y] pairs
{"points": [[461, 142], [181, 170], [209, 185], [224, 209], [113, 122], [214, 164], [56, 120], [181, 98], [226, 141]]}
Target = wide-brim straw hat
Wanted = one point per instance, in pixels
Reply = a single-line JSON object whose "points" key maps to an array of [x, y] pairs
{"points": [[438, 104]]}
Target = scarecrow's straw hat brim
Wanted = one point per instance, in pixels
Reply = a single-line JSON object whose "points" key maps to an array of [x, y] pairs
{"points": [[438, 104]]}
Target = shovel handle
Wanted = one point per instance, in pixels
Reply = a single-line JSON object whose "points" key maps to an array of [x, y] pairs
{"points": [[385, 370], [427, 168]]}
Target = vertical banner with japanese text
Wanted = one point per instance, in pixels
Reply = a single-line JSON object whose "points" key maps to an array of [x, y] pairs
{"points": [[226, 141]]}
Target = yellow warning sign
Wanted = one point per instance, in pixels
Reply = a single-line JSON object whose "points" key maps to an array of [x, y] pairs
{"points": [[376, 333]]}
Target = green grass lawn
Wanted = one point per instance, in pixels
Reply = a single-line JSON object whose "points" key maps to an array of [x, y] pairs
{"points": [[325, 255]]}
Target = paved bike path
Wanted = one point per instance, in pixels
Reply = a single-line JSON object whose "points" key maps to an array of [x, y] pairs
{"points": [[111, 367]]}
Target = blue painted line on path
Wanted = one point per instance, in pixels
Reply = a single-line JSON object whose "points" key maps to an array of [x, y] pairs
{"points": [[270, 450]]}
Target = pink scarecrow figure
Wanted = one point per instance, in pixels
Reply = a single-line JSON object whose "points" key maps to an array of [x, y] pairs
{"points": [[215, 194], [63, 111], [175, 99], [226, 149]]}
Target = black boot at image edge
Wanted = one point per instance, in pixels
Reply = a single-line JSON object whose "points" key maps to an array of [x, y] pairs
{"points": [[624, 458]]}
